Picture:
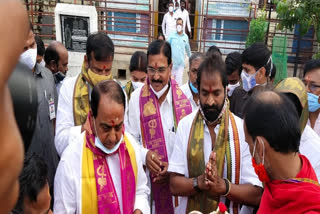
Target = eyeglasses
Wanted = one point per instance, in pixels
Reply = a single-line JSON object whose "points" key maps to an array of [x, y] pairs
{"points": [[160, 70], [312, 86]]}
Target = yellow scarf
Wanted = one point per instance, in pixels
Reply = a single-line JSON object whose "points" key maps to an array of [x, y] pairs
{"points": [[129, 89], [89, 200], [86, 79]]}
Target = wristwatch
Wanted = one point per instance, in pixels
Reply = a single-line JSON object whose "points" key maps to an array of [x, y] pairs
{"points": [[195, 185]]}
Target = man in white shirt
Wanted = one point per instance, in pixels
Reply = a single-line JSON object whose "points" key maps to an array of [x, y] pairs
{"points": [[190, 88], [184, 14], [311, 77], [75, 92], [154, 113], [101, 172], [169, 21], [212, 128]]}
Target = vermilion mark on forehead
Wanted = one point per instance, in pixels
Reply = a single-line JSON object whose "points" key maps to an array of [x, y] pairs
{"points": [[104, 67], [156, 66], [112, 123], [210, 89]]}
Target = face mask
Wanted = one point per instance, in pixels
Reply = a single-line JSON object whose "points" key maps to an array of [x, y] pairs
{"points": [[100, 145], [248, 80], [179, 28], [232, 87], [313, 102], [137, 85], [170, 9], [29, 58], [194, 89], [260, 169], [96, 78], [161, 92], [59, 76]]}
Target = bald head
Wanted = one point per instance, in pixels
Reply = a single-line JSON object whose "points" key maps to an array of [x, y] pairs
{"points": [[56, 57], [273, 116]]}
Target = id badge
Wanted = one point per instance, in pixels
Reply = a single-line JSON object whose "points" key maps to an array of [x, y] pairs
{"points": [[52, 112]]}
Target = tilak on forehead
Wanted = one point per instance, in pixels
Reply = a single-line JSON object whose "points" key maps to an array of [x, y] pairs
{"points": [[210, 89], [156, 66], [104, 67], [113, 123]]}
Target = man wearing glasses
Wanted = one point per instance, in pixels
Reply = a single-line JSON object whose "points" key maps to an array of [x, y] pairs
{"points": [[154, 113], [311, 79]]}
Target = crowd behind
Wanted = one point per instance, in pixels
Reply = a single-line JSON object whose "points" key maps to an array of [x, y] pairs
{"points": [[229, 139]]}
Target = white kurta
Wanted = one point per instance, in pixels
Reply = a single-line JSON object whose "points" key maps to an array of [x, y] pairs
{"points": [[67, 184], [310, 147], [169, 24], [178, 161], [186, 90], [65, 129], [316, 127]]}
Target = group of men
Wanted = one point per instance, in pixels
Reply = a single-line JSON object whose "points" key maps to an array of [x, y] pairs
{"points": [[155, 147]]}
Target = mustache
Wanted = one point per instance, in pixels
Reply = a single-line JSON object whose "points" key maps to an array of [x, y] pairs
{"points": [[210, 108], [157, 81]]}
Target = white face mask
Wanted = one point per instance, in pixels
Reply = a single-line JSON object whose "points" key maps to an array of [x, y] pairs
{"points": [[248, 80], [232, 88], [161, 92], [99, 144], [170, 9], [29, 58], [137, 85], [179, 28]]}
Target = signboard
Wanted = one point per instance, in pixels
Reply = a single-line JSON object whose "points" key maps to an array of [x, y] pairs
{"points": [[74, 32]]}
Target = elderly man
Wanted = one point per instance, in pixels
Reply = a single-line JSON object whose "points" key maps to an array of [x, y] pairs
{"points": [[101, 171], [154, 113], [75, 93], [56, 59], [190, 88], [212, 128], [291, 185]]}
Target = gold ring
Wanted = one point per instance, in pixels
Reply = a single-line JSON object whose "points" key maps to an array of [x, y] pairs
{"points": [[152, 156]]}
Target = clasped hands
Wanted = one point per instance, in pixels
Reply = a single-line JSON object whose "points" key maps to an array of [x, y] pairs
{"points": [[210, 181], [157, 168]]}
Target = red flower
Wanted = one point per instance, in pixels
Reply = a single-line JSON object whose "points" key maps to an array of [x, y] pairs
{"points": [[222, 207]]}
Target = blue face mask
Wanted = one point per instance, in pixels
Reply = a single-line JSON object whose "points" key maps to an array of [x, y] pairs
{"points": [[313, 102], [194, 89], [100, 145]]}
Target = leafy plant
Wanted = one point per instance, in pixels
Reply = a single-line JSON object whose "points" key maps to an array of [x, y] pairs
{"points": [[257, 30], [306, 13]]}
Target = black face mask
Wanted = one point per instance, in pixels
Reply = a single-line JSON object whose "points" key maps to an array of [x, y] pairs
{"points": [[59, 76]]}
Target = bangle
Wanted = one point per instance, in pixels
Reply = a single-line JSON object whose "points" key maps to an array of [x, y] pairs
{"points": [[228, 187]]}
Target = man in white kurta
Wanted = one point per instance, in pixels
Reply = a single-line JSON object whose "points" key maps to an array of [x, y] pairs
{"points": [[159, 100], [92, 72], [169, 22], [212, 128], [178, 160], [103, 138], [67, 189]]}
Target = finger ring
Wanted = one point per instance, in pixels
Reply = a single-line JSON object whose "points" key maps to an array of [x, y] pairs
{"points": [[152, 156]]}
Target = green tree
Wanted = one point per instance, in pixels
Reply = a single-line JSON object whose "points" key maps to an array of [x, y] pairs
{"points": [[257, 30], [306, 13]]}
